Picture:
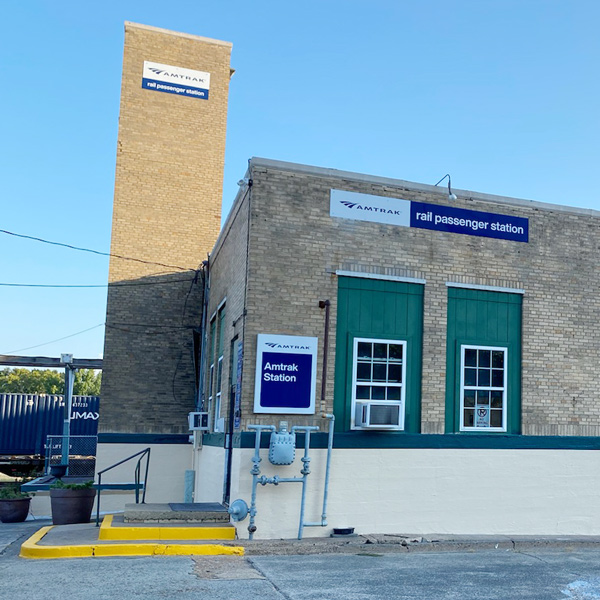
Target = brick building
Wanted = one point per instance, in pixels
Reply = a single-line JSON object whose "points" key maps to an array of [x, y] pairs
{"points": [[463, 344], [166, 215], [462, 331]]}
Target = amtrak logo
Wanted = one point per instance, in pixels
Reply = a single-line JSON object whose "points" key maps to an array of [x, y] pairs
{"points": [[355, 205], [286, 346], [165, 73]]}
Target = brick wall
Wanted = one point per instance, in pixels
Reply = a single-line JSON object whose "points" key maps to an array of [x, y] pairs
{"points": [[167, 210], [296, 247]]}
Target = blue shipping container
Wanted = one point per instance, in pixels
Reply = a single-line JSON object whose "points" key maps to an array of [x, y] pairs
{"points": [[27, 419]]}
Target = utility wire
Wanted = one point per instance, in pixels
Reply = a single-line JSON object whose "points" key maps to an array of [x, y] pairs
{"points": [[147, 262], [101, 285], [58, 340]]}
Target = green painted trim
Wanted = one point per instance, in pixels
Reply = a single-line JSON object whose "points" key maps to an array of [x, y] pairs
{"points": [[378, 309], [143, 438], [216, 440], [483, 318], [398, 440]]}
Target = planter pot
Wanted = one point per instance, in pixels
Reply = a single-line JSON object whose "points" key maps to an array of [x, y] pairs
{"points": [[14, 511], [71, 506]]}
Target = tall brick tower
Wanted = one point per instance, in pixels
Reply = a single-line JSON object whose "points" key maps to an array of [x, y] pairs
{"points": [[167, 212]]}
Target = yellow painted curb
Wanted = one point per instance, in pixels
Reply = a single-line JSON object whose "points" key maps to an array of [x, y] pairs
{"points": [[31, 549], [108, 532]]}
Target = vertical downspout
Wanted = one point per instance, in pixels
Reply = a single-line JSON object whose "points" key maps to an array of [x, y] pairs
{"points": [[201, 391], [326, 305], [230, 429]]}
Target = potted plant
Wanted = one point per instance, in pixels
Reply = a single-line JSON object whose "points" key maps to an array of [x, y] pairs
{"points": [[71, 502], [14, 504]]}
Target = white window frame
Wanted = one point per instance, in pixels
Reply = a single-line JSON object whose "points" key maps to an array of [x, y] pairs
{"points": [[212, 328], [355, 383], [217, 413], [489, 388]]}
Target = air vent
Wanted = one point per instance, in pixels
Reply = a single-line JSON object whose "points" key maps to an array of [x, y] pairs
{"points": [[378, 415], [198, 421]]}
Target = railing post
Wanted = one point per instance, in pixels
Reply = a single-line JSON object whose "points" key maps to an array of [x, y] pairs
{"points": [[146, 476], [98, 500]]}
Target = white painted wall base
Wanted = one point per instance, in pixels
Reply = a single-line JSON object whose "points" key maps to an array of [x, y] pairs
{"points": [[422, 491], [166, 476]]}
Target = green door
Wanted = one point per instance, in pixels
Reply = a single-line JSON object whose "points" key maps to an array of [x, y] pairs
{"points": [[483, 353], [386, 317]]}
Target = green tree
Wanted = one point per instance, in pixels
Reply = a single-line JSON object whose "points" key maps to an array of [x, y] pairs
{"points": [[87, 382], [47, 381], [36, 381]]}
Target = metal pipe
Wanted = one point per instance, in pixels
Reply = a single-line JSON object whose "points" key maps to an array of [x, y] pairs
{"points": [[255, 472], [305, 471], [331, 418], [323, 522], [68, 400], [326, 304], [98, 500]]}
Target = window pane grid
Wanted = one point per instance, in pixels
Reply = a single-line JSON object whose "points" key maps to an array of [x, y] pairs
{"points": [[483, 388], [378, 371]]}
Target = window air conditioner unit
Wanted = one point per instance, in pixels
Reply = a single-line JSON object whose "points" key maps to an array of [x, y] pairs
{"points": [[198, 421], [374, 415]]}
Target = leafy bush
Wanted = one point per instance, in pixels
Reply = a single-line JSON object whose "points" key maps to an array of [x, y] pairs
{"points": [[61, 485], [12, 491]]}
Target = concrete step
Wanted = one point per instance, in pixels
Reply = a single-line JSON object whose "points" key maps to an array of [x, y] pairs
{"points": [[114, 527], [198, 512], [82, 541]]}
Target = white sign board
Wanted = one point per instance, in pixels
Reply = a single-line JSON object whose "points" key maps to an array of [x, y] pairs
{"points": [[366, 207], [175, 80], [286, 374], [483, 417]]}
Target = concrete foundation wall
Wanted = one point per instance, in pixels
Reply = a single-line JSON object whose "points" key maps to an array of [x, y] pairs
{"points": [[209, 466], [503, 492]]}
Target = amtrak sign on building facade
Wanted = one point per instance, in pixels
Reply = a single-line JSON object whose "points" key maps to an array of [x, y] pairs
{"points": [[286, 374], [406, 213]]}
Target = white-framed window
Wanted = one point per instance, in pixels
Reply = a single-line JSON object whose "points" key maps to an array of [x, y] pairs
{"points": [[219, 424], [378, 388], [483, 371], [218, 394], [211, 368]]}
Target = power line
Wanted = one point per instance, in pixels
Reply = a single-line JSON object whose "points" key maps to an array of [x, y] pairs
{"points": [[147, 262], [100, 285], [58, 340]]}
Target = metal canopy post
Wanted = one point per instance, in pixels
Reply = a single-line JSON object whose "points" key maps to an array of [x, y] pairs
{"points": [[67, 359]]}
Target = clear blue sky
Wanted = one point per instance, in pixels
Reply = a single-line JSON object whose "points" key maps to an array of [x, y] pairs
{"points": [[502, 94]]}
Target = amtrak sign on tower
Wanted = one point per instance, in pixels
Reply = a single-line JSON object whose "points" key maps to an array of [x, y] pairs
{"points": [[286, 374], [176, 80]]}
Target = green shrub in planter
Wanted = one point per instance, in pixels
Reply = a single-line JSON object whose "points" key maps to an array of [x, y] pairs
{"points": [[71, 502], [14, 504]]}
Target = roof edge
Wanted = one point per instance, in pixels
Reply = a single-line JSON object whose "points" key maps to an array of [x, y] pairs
{"points": [[421, 187], [199, 38]]}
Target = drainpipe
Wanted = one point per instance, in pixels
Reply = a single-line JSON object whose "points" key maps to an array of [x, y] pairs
{"points": [[201, 391], [326, 304], [255, 472], [323, 521], [305, 472]]}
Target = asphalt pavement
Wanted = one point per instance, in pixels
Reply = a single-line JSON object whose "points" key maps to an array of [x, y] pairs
{"points": [[477, 570]]}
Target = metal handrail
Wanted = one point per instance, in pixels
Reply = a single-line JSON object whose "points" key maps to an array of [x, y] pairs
{"points": [[141, 455]]}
